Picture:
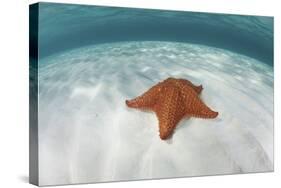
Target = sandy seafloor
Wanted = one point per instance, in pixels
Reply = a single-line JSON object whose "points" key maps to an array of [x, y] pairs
{"points": [[87, 134]]}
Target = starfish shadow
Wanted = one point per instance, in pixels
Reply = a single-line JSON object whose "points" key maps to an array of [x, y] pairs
{"points": [[182, 124]]}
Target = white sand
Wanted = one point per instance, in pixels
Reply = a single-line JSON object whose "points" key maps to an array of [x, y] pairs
{"points": [[87, 134]]}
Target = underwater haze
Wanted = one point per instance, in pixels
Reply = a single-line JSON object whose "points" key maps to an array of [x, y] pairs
{"points": [[91, 59]]}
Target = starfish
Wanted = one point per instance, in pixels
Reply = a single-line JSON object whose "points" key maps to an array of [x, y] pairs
{"points": [[172, 100]]}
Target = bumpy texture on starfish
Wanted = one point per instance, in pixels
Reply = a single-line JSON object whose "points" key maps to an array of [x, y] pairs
{"points": [[172, 100]]}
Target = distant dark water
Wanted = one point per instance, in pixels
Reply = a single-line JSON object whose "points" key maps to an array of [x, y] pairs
{"points": [[64, 26]]}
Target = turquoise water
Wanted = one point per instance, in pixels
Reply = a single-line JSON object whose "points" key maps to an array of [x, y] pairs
{"points": [[64, 26]]}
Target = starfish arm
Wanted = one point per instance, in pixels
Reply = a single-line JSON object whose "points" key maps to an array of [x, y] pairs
{"points": [[198, 89], [147, 100], [169, 113], [197, 108], [185, 83]]}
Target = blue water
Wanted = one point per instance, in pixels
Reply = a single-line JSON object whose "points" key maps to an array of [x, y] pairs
{"points": [[65, 26]]}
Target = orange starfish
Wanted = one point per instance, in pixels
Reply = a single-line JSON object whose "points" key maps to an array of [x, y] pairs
{"points": [[172, 100]]}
